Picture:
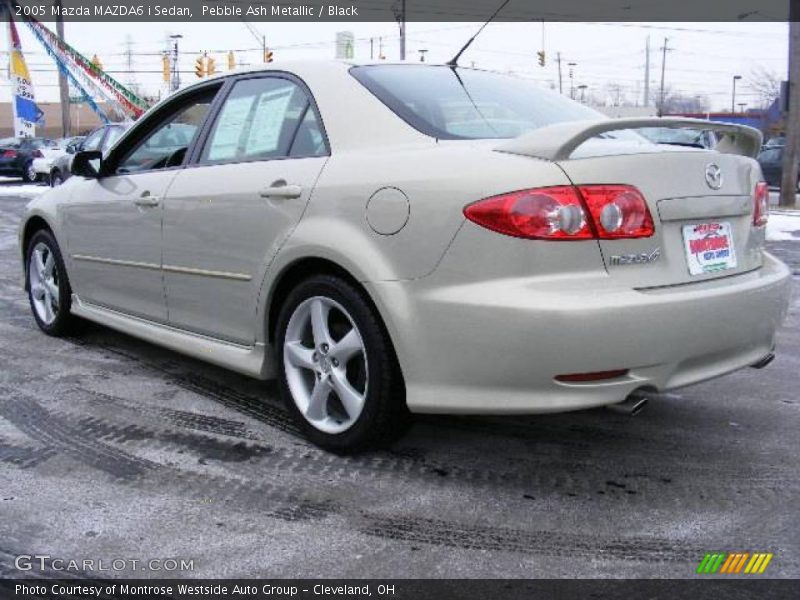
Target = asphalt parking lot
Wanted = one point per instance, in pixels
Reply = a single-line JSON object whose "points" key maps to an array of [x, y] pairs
{"points": [[111, 448]]}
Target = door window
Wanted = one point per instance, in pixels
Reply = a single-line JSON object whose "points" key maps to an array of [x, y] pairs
{"points": [[262, 119], [166, 145]]}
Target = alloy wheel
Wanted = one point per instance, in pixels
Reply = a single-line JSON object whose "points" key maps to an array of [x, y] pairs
{"points": [[326, 364], [43, 278]]}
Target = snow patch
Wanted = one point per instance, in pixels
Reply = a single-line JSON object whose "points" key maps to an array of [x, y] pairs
{"points": [[783, 227]]}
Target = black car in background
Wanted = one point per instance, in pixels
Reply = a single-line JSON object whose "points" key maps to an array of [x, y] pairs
{"points": [[771, 161], [101, 139], [17, 154]]}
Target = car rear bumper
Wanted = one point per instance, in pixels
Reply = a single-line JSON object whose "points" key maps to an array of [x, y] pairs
{"points": [[496, 347]]}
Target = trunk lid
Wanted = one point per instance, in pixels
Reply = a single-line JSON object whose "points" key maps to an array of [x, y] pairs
{"points": [[701, 233]]}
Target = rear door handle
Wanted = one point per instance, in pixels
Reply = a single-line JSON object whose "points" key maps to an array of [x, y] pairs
{"points": [[147, 200], [280, 189]]}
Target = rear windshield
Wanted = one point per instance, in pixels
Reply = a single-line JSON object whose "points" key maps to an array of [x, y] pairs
{"points": [[465, 103]]}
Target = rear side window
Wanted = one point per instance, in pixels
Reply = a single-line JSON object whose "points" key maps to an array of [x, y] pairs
{"points": [[264, 118], [465, 103]]}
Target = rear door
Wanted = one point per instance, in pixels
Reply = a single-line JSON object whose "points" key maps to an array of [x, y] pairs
{"points": [[703, 223], [228, 213]]}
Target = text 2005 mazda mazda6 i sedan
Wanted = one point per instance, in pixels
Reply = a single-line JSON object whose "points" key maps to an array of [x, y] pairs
{"points": [[396, 238]]}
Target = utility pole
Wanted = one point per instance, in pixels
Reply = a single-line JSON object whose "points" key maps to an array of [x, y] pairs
{"points": [[664, 50], [560, 85], [176, 73], [63, 87], [571, 66], [788, 197], [399, 10], [647, 72]]}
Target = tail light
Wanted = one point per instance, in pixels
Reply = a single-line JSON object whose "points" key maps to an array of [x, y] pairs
{"points": [[566, 213], [37, 154], [10, 154], [761, 204]]}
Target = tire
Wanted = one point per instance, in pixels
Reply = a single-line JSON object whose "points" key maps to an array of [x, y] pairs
{"points": [[47, 284], [362, 366], [29, 175], [56, 179]]}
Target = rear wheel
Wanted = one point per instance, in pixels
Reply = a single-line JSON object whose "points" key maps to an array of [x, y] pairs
{"points": [[29, 174], [49, 291], [338, 373]]}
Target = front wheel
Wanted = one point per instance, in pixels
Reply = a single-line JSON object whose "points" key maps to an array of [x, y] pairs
{"points": [[56, 179], [49, 291], [338, 372]]}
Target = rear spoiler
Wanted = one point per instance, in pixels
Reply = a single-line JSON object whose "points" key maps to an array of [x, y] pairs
{"points": [[559, 141]]}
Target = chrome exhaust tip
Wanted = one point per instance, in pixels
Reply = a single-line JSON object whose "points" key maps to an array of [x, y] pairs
{"points": [[764, 361], [632, 405]]}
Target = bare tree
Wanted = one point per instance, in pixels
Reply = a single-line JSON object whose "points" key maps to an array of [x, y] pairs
{"points": [[676, 102], [766, 84]]}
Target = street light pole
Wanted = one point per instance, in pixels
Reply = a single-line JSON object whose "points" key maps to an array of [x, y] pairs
{"points": [[63, 87], [733, 93], [791, 150]]}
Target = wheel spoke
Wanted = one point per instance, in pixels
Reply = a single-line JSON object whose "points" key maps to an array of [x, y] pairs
{"points": [[52, 288], [37, 257], [351, 399], [347, 347], [49, 315], [49, 263], [317, 403], [300, 356], [37, 290], [319, 322]]}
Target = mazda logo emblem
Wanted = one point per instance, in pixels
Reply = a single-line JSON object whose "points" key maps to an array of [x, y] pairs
{"points": [[713, 176]]}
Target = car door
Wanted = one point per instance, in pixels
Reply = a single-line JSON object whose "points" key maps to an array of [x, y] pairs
{"points": [[114, 222], [228, 212]]}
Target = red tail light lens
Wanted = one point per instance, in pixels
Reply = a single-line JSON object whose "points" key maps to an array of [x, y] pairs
{"points": [[554, 213], [37, 154], [10, 154], [566, 213], [761, 204]]}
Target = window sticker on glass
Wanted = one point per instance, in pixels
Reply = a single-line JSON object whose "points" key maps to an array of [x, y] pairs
{"points": [[268, 121], [228, 132]]}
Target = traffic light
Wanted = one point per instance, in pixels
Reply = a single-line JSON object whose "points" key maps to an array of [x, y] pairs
{"points": [[165, 67], [200, 67], [211, 66], [267, 55], [231, 61], [96, 63], [540, 54]]}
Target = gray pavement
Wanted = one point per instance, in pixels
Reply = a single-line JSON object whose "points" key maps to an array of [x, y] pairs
{"points": [[111, 448]]}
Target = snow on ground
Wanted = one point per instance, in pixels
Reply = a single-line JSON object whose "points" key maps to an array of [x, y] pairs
{"points": [[11, 186], [783, 227]]}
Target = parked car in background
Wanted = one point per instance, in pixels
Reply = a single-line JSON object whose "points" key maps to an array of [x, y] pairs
{"points": [[691, 138], [771, 161], [100, 139], [17, 156], [41, 166], [777, 141]]}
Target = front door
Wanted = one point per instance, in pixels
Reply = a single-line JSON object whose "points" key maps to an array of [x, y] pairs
{"points": [[114, 223], [229, 211]]}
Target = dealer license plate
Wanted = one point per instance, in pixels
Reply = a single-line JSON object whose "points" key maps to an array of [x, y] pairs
{"points": [[709, 247]]}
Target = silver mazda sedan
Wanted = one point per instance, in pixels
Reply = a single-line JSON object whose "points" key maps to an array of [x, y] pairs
{"points": [[386, 239]]}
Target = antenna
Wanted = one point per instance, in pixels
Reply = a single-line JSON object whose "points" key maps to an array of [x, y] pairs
{"points": [[453, 62]]}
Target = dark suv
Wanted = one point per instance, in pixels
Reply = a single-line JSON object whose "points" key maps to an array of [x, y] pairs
{"points": [[17, 154], [101, 139]]}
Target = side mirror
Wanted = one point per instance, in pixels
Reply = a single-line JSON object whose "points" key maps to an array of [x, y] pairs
{"points": [[87, 163], [70, 149]]}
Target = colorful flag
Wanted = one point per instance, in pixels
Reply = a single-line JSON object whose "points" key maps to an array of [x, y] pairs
{"points": [[27, 113]]}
